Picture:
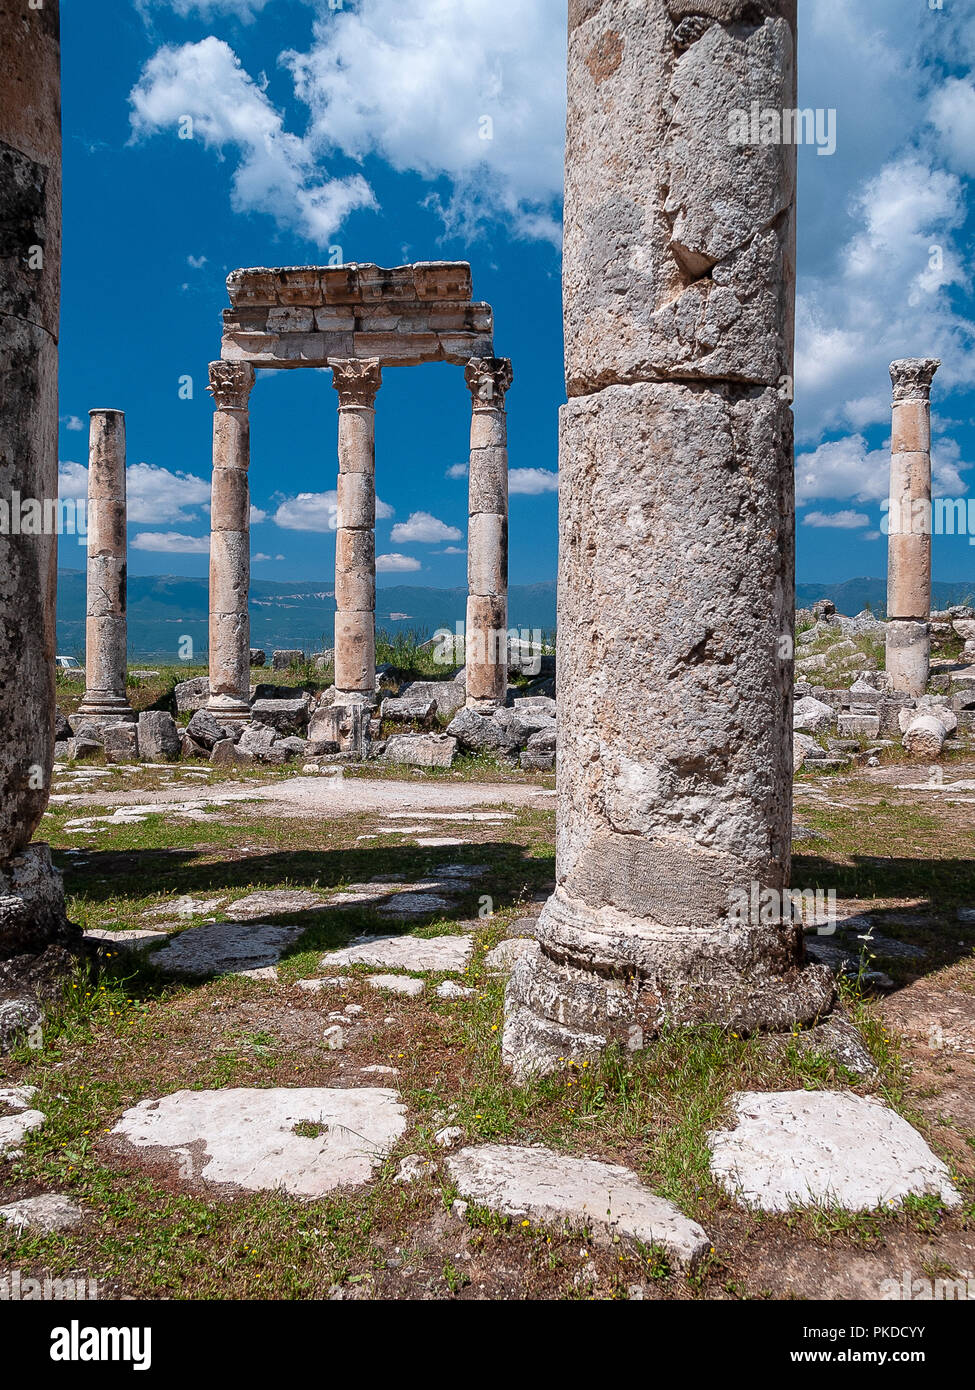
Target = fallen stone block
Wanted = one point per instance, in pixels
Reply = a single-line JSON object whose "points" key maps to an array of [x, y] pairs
{"points": [[552, 1189], [397, 984], [832, 1148], [284, 659], [858, 725], [192, 694], [446, 953], [306, 1141], [812, 716], [159, 738], [420, 750], [286, 716], [42, 1215]]}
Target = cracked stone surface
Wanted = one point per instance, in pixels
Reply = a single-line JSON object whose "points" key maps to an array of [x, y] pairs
{"points": [[405, 953], [410, 906], [14, 1126], [245, 1138], [49, 1212], [226, 948], [269, 902], [397, 984], [832, 1148], [549, 1188]]}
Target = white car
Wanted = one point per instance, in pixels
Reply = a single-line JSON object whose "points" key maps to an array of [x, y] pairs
{"points": [[68, 663]]}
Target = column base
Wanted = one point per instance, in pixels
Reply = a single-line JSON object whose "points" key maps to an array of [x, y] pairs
{"points": [[102, 704], [597, 977], [39, 947], [228, 709], [481, 706], [356, 697]]}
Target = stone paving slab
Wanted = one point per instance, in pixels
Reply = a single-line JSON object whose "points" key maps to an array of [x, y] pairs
{"points": [[269, 902], [22, 1121], [550, 1188], [133, 940], [831, 1148], [397, 984], [405, 953], [226, 948], [49, 1212], [246, 1138]]}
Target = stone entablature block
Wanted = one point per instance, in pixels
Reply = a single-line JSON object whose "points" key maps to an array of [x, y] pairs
{"points": [[296, 316]]}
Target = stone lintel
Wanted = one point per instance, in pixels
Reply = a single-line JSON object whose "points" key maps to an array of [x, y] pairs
{"points": [[285, 350], [355, 283]]}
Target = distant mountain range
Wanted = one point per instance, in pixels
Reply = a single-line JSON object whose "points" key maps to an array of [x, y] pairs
{"points": [[165, 608]]}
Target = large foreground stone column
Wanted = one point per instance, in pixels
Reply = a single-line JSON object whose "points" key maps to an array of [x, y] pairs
{"points": [[486, 645], [105, 658], [909, 526], [356, 381], [676, 565], [34, 932], [230, 541]]}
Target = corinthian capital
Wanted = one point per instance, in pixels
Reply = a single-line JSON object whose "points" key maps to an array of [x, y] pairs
{"points": [[488, 379], [356, 379], [230, 384], [912, 377]]}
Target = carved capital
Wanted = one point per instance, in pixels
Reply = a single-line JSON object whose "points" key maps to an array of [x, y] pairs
{"points": [[231, 384], [488, 379], [912, 377], [356, 379]]}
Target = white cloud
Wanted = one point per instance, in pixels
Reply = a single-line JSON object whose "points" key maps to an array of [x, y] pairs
{"points": [[842, 521], [532, 481], [421, 526], [421, 85], [457, 470], [848, 468], [276, 172], [171, 543], [72, 422], [259, 558], [953, 114], [206, 9], [197, 262], [257, 516], [396, 564], [318, 511], [154, 494], [454, 550]]}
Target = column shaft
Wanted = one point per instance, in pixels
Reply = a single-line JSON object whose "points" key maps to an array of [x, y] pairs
{"points": [[106, 629], [230, 551], [909, 526], [356, 381], [486, 645], [676, 564]]}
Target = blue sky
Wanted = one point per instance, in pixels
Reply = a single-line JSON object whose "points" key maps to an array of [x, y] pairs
{"points": [[321, 124]]}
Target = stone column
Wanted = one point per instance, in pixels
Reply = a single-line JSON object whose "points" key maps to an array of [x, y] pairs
{"points": [[486, 644], [34, 932], [356, 380], [909, 526], [230, 541], [676, 563], [106, 629]]}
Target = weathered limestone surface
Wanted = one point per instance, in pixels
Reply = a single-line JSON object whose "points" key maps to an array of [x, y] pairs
{"points": [[554, 1189], [486, 646], [230, 558], [802, 1148], [691, 236], [105, 653], [33, 927], [248, 1139], [909, 525], [299, 316], [357, 383], [676, 563]]}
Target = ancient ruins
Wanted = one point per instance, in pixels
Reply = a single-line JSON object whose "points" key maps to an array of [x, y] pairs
{"points": [[336, 1031], [909, 526], [33, 927], [676, 545], [106, 662], [357, 320]]}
